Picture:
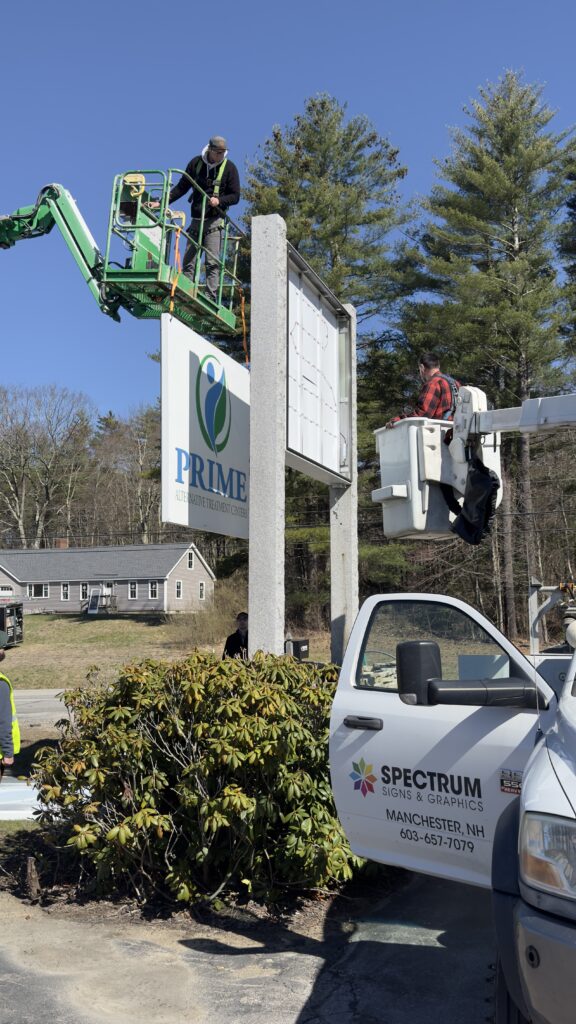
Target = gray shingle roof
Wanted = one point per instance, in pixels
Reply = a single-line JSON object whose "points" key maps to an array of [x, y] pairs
{"points": [[129, 562]]}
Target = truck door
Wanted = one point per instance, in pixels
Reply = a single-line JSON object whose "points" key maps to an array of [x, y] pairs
{"points": [[422, 787]]}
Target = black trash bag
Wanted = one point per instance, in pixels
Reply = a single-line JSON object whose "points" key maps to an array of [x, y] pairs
{"points": [[450, 498], [479, 506]]}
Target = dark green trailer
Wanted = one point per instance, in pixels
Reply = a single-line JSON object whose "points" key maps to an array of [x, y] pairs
{"points": [[12, 621]]}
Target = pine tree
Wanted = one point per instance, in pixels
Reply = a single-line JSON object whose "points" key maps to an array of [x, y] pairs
{"points": [[496, 307], [334, 181], [490, 248]]}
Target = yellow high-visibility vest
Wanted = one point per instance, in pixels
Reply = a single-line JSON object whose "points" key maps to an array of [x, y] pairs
{"points": [[15, 726]]}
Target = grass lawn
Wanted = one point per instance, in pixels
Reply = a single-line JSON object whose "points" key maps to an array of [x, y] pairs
{"points": [[7, 828], [60, 651]]}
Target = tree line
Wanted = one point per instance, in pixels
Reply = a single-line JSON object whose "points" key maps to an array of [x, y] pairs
{"points": [[69, 475], [481, 271]]}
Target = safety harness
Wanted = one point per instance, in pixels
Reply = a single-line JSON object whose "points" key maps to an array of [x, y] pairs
{"points": [[454, 388], [217, 179]]}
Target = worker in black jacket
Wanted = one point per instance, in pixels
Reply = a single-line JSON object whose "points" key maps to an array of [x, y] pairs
{"points": [[236, 645], [218, 177]]}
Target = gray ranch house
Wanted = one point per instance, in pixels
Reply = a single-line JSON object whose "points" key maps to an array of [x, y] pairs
{"points": [[128, 580]]}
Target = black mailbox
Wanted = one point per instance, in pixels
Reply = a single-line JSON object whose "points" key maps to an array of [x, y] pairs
{"points": [[299, 649]]}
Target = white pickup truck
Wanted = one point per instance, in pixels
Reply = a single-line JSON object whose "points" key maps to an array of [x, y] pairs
{"points": [[450, 755]]}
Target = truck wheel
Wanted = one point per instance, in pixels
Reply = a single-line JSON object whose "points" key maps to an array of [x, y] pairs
{"points": [[506, 1011]]}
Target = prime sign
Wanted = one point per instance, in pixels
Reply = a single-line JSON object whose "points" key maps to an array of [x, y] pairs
{"points": [[205, 434]]}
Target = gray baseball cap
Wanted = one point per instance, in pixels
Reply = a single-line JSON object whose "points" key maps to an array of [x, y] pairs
{"points": [[218, 142]]}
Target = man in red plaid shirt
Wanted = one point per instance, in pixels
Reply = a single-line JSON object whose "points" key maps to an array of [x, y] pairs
{"points": [[437, 398]]}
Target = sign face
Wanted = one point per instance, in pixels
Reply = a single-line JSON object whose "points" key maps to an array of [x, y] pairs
{"points": [[318, 422], [205, 434]]}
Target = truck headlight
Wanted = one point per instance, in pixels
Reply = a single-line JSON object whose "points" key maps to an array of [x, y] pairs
{"points": [[548, 854]]}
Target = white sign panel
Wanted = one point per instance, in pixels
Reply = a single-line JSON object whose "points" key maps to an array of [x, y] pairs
{"points": [[318, 428], [205, 434]]}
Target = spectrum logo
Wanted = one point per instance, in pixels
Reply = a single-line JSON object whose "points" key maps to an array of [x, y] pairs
{"points": [[362, 777]]}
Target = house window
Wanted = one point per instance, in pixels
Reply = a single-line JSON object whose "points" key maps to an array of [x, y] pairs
{"points": [[202, 590], [84, 591], [178, 590], [6, 591], [132, 591], [38, 590], [153, 590], [64, 591], [190, 559]]}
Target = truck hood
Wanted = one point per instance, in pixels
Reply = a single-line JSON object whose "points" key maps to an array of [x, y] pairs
{"points": [[561, 747]]}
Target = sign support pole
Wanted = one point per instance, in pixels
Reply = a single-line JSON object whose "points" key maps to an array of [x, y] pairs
{"points": [[344, 533], [268, 438], [269, 301]]}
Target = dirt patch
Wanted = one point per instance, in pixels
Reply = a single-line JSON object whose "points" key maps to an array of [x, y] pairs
{"points": [[56, 893], [308, 915]]}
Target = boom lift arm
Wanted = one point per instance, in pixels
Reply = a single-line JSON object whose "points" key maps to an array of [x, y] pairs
{"points": [[141, 268], [55, 206]]}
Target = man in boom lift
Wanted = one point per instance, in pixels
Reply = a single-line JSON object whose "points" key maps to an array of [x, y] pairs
{"points": [[437, 398], [218, 177], [437, 401]]}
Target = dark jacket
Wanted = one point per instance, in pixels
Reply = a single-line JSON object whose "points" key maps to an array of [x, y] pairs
{"points": [[236, 646], [6, 744], [205, 177]]}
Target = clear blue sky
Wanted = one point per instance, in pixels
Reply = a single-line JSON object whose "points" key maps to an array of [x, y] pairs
{"points": [[93, 89]]}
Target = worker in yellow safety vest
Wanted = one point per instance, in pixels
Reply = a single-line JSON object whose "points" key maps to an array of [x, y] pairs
{"points": [[9, 728]]}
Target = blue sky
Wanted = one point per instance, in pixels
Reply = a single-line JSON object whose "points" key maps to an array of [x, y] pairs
{"points": [[93, 89]]}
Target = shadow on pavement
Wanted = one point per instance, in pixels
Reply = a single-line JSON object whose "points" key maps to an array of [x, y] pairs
{"points": [[420, 955]]}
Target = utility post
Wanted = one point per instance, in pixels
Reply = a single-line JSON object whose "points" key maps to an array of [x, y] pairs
{"points": [[302, 414]]}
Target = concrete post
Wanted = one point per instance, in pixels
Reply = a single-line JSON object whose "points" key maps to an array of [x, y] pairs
{"points": [[344, 533], [269, 297]]}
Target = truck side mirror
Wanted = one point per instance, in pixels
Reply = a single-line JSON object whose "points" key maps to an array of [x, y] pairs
{"points": [[417, 662], [419, 675]]}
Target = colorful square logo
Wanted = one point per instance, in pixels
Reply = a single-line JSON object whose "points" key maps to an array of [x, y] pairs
{"points": [[362, 777]]}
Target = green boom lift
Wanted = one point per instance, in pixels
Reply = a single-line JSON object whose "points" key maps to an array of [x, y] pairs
{"points": [[141, 268]]}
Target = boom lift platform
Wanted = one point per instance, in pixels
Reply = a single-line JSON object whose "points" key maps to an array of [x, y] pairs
{"points": [[141, 270], [417, 466]]}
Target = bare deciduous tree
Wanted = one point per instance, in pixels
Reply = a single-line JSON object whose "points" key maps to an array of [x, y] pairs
{"points": [[43, 447]]}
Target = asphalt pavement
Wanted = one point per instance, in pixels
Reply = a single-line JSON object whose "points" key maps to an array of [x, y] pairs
{"points": [[39, 707], [422, 955]]}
